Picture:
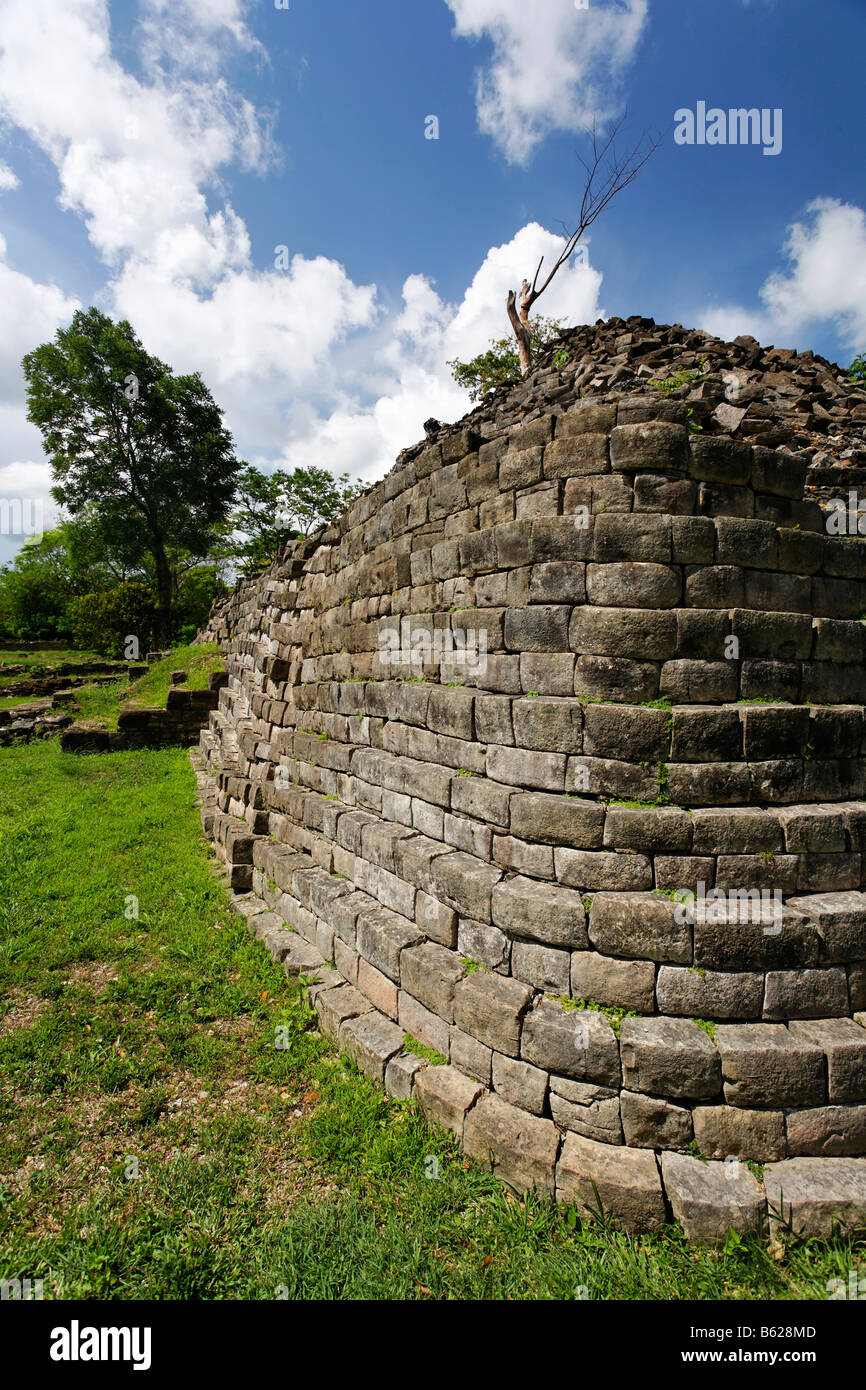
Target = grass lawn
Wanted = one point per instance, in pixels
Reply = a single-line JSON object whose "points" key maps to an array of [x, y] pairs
{"points": [[46, 656], [104, 701], [156, 1144]]}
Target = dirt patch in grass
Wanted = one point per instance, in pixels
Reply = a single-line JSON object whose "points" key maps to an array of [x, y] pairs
{"points": [[96, 975], [21, 1010]]}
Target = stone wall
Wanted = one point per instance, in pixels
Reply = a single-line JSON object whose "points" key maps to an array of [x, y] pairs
{"points": [[570, 661], [178, 723]]}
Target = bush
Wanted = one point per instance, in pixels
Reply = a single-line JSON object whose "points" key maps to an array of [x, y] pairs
{"points": [[102, 622], [500, 362]]}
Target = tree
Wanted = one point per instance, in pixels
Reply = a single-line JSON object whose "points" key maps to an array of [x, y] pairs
{"points": [[35, 589], [501, 362], [275, 507], [102, 622], [606, 175], [145, 449]]}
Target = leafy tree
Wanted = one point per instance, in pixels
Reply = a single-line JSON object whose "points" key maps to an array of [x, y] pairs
{"points": [[857, 370], [501, 361], [145, 449], [35, 589], [197, 589], [101, 622], [275, 507]]}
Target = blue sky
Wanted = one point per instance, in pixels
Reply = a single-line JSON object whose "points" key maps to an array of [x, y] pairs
{"points": [[155, 153]]}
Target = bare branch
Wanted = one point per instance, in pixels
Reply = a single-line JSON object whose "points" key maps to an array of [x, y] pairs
{"points": [[606, 175]]}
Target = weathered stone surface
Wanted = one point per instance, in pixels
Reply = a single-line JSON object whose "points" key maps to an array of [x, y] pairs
{"points": [[557, 820], [334, 1006], [625, 984], [381, 992], [371, 1040], [484, 944], [602, 871], [461, 882], [300, 957], [841, 920], [828, 1131], [592, 1111], [411, 819], [628, 585], [491, 1009], [640, 926], [711, 1199], [651, 1123], [817, 1196], [696, 993], [520, 1148], [806, 993], [400, 1075], [519, 1084], [543, 967], [541, 911], [724, 1131], [471, 1057], [843, 1043], [382, 936], [446, 1095], [621, 1183], [651, 830], [765, 1067], [431, 974], [669, 1057], [422, 1023], [576, 1043]]}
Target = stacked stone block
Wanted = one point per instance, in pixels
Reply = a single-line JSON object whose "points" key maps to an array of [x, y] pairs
{"points": [[630, 670]]}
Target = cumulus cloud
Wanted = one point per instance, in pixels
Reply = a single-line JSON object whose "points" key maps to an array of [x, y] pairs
{"points": [[309, 366], [823, 283], [8, 179], [32, 312], [133, 158], [424, 336], [553, 67], [194, 35]]}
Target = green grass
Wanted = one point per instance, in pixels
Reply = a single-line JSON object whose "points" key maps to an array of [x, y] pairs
{"points": [[14, 656], [147, 1045], [10, 701], [105, 701]]}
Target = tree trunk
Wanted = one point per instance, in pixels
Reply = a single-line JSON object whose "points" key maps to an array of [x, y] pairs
{"points": [[521, 331], [163, 593]]}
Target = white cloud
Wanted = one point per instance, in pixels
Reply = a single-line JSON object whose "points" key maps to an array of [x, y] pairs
{"points": [[8, 179], [424, 337], [824, 282], [554, 66], [194, 34], [32, 312], [132, 157], [307, 364]]}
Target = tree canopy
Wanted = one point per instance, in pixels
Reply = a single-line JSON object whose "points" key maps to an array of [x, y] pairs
{"points": [[143, 449]]}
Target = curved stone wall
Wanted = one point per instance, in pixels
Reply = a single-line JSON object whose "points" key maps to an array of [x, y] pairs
{"points": [[550, 756]]}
